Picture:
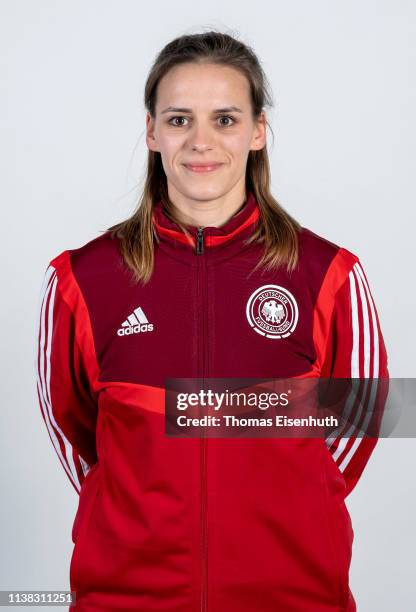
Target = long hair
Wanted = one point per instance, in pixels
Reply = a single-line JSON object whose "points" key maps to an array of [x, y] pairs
{"points": [[277, 230]]}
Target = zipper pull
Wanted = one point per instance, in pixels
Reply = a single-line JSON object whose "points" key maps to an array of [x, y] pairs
{"points": [[200, 241]]}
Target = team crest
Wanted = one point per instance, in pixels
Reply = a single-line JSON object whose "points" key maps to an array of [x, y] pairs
{"points": [[272, 311]]}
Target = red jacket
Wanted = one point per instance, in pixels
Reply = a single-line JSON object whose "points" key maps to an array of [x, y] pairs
{"points": [[196, 524]]}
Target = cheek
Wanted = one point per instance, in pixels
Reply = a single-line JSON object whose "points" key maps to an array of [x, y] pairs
{"points": [[170, 144], [168, 149], [238, 144]]}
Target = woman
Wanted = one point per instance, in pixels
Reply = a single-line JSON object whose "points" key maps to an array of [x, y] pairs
{"points": [[186, 524]]}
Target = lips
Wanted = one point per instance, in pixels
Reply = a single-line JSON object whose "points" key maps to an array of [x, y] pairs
{"points": [[205, 167]]}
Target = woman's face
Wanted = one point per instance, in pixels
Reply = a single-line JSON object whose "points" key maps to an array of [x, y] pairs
{"points": [[203, 115]]}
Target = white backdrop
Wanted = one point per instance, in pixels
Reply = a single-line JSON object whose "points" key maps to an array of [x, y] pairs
{"points": [[73, 152]]}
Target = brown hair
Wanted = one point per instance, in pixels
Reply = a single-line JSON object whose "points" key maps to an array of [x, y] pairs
{"points": [[277, 230]]}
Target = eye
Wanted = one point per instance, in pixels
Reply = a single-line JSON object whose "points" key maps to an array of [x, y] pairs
{"points": [[227, 117], [173, 119]]}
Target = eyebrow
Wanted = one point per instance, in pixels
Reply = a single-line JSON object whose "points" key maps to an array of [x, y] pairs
{"points": [[176, 109]]}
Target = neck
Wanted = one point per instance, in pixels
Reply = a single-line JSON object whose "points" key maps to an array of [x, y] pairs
{"points": [[207, 212]]}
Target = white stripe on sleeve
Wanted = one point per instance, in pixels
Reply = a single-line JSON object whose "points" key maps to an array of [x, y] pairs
{"points": [[360, 295], [44, 330]]}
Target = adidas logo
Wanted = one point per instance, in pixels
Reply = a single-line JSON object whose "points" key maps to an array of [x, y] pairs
{"points": [[135, 323]]}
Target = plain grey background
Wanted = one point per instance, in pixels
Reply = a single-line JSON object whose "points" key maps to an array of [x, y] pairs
{"points": [[73, 153]]}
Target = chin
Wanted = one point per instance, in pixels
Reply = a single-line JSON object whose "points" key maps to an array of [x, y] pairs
{"points": [[203, 192]]}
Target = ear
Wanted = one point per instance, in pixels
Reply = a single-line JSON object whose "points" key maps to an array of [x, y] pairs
{"points": [[258, 141], [150, 135]]}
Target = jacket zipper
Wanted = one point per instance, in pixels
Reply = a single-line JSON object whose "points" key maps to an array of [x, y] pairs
{"points": [[200, 241], [203, 443]]}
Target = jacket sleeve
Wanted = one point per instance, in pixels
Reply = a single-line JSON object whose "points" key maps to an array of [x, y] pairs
{"points": [[66, 400], [355, 350]]}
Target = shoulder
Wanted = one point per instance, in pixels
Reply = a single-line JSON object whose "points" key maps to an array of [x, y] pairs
{"points": [[318, 252], [98, 256], [90, 273]]}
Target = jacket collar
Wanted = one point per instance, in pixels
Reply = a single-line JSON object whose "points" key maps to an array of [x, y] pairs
{"points": [[215, 242]]}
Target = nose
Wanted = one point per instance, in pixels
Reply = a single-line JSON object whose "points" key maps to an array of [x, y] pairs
{"points": [[201, 148], [200, 139]]}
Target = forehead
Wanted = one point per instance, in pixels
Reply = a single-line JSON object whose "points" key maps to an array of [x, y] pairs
{"points": [[204, 86]]}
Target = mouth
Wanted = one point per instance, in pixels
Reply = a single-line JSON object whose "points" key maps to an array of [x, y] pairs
{"points": [[201, 168]]}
